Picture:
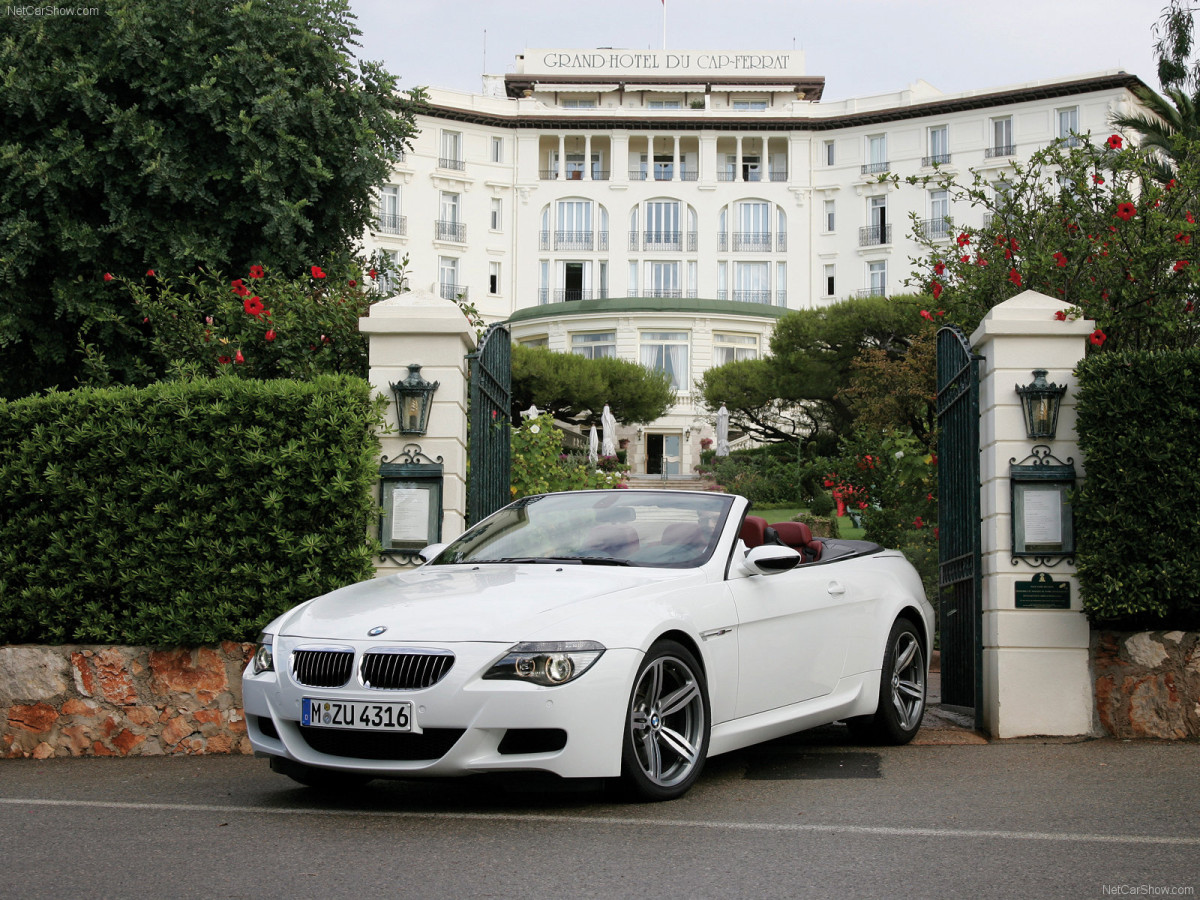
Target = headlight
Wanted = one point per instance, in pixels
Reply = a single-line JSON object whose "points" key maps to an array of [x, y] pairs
{"points": [[550, 663], [264, 660]]}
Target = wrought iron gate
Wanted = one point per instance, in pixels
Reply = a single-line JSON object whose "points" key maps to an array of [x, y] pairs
{"points": [[959, 576], [490, 398]]}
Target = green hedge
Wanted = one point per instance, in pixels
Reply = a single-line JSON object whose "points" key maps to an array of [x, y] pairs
{"points": [[1137, 513], [181, 513], [766, 474]]}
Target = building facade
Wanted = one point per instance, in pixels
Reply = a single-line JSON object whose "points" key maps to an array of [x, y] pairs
{"points": [[668, 207]]}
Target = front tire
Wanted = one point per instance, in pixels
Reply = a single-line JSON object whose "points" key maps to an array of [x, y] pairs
{"points": [[901, 690], [666, 724]]}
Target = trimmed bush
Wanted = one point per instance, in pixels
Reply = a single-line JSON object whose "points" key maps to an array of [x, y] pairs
{"points": [[181, 513], [1137, 513], [766, 474]]}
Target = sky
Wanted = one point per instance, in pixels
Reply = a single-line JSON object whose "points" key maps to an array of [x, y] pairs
{"points": [[861, 47]]}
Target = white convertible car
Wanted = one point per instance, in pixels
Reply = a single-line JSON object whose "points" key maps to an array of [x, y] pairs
{"points": [[622, 633]]}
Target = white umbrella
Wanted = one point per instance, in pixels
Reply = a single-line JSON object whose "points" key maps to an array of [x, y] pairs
{"points": [[608, 423], [722, 431], [593, 446]]}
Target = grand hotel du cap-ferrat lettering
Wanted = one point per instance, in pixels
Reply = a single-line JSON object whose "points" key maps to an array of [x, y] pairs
{"points": [[677, 62]]}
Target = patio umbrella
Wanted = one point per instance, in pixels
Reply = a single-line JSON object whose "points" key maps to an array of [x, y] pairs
{"points": [[722, 431], [608, 423], [593, 446]]}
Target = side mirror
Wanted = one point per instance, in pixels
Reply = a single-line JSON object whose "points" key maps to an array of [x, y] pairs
{"points": [[428, 553], [771, 559]]}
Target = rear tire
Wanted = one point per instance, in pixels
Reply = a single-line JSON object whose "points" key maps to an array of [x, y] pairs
{"points": [[318, 779], [901, 691]]}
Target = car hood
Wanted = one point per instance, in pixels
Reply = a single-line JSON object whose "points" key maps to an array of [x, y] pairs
{"points": [[496, 602]]}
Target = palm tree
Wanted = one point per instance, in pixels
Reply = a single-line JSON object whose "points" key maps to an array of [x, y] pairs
{"points": [[1166, 121]]}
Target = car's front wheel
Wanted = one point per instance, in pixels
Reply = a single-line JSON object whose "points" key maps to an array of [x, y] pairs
{"points": [[901, 690], [666, 725]]}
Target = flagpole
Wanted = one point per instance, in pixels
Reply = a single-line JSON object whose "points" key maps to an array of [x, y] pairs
{"points": [[664, 4]]}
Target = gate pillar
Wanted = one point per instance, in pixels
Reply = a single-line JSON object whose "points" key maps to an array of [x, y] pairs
{"points": [[1035, 660], [423, 328]]}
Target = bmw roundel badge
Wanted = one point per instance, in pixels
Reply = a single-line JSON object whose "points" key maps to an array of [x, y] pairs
{"points": [[377, 630]]}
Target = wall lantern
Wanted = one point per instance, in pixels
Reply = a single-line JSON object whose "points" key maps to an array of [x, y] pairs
{"points": [[1040, 402], [414, 397]]}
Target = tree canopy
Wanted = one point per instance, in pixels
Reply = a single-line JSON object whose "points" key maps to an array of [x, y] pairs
{"points": [[189, 135], [574, 388]]}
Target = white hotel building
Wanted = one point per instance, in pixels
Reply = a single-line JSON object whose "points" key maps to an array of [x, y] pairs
{"points": [[668, 207]]}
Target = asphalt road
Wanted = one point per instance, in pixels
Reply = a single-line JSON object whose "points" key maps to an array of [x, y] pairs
{"points": [[808, 816]]}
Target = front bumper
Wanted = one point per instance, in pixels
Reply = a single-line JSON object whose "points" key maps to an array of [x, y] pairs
{"points": [[463, 720]]}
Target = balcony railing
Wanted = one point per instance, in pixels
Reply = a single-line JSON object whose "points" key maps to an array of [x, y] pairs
{"points": [[939, 159], [637, 174], [575, 240], [731, 175], [457, 164], [754, 296], [662, 240], [1004, 150], [548, 174], [781, 241], [871, 235], [567, 295], [451, 291], [870, 292], [935, 228], [779, 176], [389, 224], [689, 174], [668, 293], [752, 241], [1072, 140], [450, 231], [876, 167]]}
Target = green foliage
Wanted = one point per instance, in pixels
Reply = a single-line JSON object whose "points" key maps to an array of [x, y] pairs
{"points": [[255, 327], [181, 513], [540, 466], [793, 395], [1087, 224], [200, 133], [574, 388], [763, 475], [1137, 513]]}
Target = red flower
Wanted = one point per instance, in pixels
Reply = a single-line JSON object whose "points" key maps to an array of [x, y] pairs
{"points": [[964, 259], [980, 261], [941, 312], [108, 276], [270, 335], [925, 314], [937, 532], [862, 504], [929, 497], [238, 358], [372, 273], [1013, 243], [1060, 260], [257, 272], [223, 360], [940, 267], [150, 273], [239, 288], [1182, 264], [1170, 184], [1115, 142], [325, 340], [317, 272], [253, 306], [918, 522], [828, 482], [1015, 277], [1183, 238], [1191, 219], [963, 239], [353, 283], [937, 290], [1061, 315], [1097, 179], [1098, 338], [1126, 211]]}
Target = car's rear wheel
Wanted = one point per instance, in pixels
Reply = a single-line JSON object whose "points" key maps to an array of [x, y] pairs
{"points": [[666, 725], [318, 779], [901, 690]]}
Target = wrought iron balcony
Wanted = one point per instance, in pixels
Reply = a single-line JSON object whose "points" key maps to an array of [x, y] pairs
{"points": [[668, 293], [756, 296], [937, 227], [451, 291], [870, 292], [450, 231], [752, 241], [726, 175], [940, 159], [876, 167], [872, 235], [637, 174], [571, 295], [779, 176], [599, 174], [391, 224], [689, 174], [580, 240], [781, 298], [662, 240], [781, 241], [1004, 150], [548, 174], [457, 164]]}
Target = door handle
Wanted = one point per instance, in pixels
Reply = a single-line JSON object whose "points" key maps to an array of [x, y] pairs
{"points": [[836, 589]]}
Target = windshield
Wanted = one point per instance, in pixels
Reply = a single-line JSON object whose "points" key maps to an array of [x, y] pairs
{"points": [[675, 529]]}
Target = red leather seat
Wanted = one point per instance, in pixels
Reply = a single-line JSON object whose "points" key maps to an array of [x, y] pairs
{"points": [[754, 532], [799, 536]]}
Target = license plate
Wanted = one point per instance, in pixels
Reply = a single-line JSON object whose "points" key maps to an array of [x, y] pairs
{"points": [[356, 715]]}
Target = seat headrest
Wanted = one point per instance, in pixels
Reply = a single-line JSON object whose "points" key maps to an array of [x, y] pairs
{"points": [[754, 531], [794, 534]]}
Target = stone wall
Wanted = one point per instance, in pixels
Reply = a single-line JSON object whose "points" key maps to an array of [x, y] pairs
{"points": [[122, 701], [1147, 683]]}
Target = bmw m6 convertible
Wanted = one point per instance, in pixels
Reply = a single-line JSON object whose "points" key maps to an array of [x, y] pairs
{"points": [[624, 634]]}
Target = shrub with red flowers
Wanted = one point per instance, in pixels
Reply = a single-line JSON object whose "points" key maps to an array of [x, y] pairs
{"points": [[1088, 225], [285, 328]]}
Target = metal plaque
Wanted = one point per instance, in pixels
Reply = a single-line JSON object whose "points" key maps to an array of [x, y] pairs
{"points": [[1043, 592]]}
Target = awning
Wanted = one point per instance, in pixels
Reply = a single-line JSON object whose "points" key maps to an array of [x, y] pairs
{"points": [[667, 88], [574, 88]]}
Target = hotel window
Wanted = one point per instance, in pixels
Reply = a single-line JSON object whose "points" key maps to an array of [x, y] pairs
{"points": [[663, 279], [1002, 137], [729, 348], [662, 225], [664, 104], [544, 281], [603, 279], [829, 156], [877, 278], [577, 103], [389, 279], [494, 278], [389, 210], [497, 208], [830, 215], [939, 214], [877, 154], [781, 284], [540, 341], [448, 226], [750, 104], [448, 277], [939, 145], [633, 280], [752, 282], [602, 345], [451, 157], [497, 149], [1068, 125], [830, 280], [667, 351]]}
